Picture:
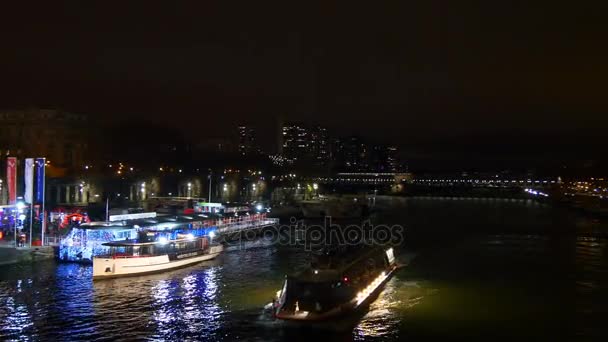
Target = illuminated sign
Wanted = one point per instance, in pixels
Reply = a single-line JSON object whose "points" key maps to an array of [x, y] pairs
{"points": [[132, 216], [207, 204], [390, 255]]}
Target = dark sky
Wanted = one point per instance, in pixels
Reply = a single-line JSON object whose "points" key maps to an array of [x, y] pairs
{"points": [[477, 79]]}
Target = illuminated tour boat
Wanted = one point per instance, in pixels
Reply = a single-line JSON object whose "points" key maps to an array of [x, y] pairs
{"points": [[153, 252], [336, 283], [90, 239]]}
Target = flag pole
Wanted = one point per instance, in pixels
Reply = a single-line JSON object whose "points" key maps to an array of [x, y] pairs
{"points": [[31, 200], [31, 221], [43, 224]]}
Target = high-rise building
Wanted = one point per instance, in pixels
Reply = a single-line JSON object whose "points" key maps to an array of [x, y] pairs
{"points": [[392, 160], [356, 154], [313, 146], [384, 159], [305, 143], [295, 141], [247, 141], [319, 145]]}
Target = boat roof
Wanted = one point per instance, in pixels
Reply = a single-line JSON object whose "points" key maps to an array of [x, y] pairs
{"points": [[339, 262], [167, 221]]}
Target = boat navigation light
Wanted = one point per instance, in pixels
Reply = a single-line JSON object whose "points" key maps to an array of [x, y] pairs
{"points": [[316, 271], [162, 240]]}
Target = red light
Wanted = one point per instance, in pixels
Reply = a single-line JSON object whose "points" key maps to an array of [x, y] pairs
{"points": [[345, 279]]}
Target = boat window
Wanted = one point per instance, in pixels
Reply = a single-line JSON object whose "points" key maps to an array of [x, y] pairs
{"points": [[313, 296], [122, 251], [367, 270], [125, 234]]}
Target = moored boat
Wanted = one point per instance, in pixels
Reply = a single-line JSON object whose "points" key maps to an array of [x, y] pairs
{"points": [[334, 285], [137, 257]]}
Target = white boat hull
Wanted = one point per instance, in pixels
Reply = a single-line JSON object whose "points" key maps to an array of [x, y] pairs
{"points": [[104, 268]]}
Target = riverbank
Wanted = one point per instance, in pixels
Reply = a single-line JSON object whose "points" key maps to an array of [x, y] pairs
{"points": [[11, 255]]}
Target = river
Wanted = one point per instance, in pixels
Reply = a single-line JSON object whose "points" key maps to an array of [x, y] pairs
{"points": [[483, 269]]}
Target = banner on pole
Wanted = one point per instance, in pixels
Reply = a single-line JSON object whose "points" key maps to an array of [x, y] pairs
{"points": [[40, 179], [11, 179], [28, 175]]}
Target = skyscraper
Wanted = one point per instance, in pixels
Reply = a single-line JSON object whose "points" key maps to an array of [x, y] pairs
{"points": [[319, 145], [384, 159], [392, 160], [295, 141], [356, 154], [305, 143], [247, 141]]}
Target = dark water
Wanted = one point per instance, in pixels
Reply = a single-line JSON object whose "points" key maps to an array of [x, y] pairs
{"points": [[484, 269]]}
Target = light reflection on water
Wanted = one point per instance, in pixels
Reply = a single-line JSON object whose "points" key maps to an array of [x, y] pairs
{"points": [[498, 282]]}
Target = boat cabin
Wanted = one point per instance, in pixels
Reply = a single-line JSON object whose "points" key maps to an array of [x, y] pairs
{"points": [[136, 248]]}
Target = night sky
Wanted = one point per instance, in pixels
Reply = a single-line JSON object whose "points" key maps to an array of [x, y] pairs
{"points": [[468, 80]]}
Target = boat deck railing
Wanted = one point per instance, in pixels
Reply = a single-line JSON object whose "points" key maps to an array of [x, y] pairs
{"points": [[244, 225], [123, 256], [52, 240]]}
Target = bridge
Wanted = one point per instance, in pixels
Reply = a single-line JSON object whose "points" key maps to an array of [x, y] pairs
{"points": [[390, 178], [364, 178], [488, 182]]}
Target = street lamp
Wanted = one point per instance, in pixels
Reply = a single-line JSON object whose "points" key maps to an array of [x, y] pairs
{"points": [[20, 206], [210, 177]]}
